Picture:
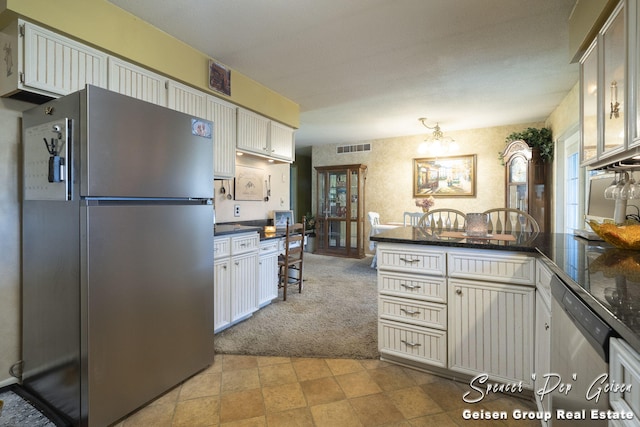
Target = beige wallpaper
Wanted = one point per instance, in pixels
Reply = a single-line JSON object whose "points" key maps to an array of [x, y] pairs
{"points": [[389, 185]]}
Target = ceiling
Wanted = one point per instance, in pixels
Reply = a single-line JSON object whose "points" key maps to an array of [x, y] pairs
{"points": [[368, 69]]}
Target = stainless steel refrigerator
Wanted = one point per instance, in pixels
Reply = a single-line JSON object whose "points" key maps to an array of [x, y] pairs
{"points": [[117, 253]]}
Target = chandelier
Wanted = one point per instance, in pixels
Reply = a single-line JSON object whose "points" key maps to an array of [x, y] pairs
{"points": [[436, 144]]}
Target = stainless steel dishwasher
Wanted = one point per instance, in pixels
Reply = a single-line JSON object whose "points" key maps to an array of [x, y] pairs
{"points": [[579, 355]]}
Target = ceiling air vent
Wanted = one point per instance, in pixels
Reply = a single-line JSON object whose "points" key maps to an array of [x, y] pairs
{"points": [[342, 149]]}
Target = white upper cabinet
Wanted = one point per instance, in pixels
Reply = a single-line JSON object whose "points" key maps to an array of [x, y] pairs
{"points": [[282, 142], [40, 61], [253, 133], [223, 116], [609, 72], [261, 136], [186, 99], [137, 82], [614, 82]]}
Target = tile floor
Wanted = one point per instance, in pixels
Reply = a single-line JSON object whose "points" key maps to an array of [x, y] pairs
{"points": [[282, 391]]}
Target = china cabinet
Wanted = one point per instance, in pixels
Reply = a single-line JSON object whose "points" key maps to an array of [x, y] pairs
{"points": [[340, 210], [527, 182]]}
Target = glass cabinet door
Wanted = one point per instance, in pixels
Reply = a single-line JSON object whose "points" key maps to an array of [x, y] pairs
{"points": [[589, 95], [517, 183], [614, 84]]}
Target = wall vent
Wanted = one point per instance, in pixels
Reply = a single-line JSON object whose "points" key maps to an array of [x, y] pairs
{"points": [[356, 148]]}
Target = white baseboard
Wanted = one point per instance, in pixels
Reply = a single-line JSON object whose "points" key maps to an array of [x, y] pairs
{"points": [[8, 382]]}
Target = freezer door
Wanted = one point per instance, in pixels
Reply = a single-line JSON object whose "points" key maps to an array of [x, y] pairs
{"points": [[148, 288], [131, 148]]}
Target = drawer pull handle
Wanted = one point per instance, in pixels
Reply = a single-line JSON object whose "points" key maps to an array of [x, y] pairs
{"points": [[410, 313], [410, 286], [459, 291], [410, 261], [546, 326], [411, 344]]}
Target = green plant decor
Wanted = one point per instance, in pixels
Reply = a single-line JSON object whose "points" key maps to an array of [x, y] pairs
{"points": [[535, 138], [310, 224]]}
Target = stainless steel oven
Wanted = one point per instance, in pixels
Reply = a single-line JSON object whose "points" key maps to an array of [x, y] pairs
{"points": [[579, 355]]}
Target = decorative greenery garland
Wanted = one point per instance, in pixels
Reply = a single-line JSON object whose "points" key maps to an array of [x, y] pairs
{"points": [[535, 138]]}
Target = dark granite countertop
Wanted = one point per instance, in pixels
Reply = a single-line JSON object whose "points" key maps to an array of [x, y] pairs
{"points": [[524, 242], [224, 229], [605, 278], [220, 229]]}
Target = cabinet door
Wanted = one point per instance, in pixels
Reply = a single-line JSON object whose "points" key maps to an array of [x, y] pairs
{"points": [[491, 330], [542, 349], [223, 116], [221, 294], [136, 82], [185, 99], [253, 133], [268, 278], [281, 141], [244, 284], [59, 65], [614, 84], [589, 104]]}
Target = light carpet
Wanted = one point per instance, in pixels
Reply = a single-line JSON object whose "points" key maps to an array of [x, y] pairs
{"points": [[335, 316]]}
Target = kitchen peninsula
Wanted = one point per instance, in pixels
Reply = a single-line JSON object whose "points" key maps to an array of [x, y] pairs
{"points": [[462, 307]]}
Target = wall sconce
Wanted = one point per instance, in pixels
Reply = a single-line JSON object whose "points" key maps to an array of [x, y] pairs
{"points": [[615, 105], [437, 144]]}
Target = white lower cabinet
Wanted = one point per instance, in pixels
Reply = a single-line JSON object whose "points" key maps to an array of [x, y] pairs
{"points": [[462, 310], [624, 371], [491, 330], [244, 289], [235, 278], [221, 294], [542, 348], [412, 304], [268, 271]]}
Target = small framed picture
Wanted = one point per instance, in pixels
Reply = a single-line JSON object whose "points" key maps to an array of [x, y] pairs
{"points": [[280, 219]]}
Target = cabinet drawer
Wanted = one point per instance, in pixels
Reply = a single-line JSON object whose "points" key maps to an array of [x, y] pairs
{"points": [[411, 311], [269, 246], [221, 247], [424, 345], [493, 267], [244, 243], [624, 368], [401, 258], [413, 286]]}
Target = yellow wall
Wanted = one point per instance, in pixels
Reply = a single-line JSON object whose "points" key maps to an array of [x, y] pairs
{"points": [[111, 29]]}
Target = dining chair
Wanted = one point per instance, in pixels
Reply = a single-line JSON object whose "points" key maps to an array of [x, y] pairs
{"points": [[510, 221], [374, 221], [438, 220], [290, 263], [412, 218]]}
